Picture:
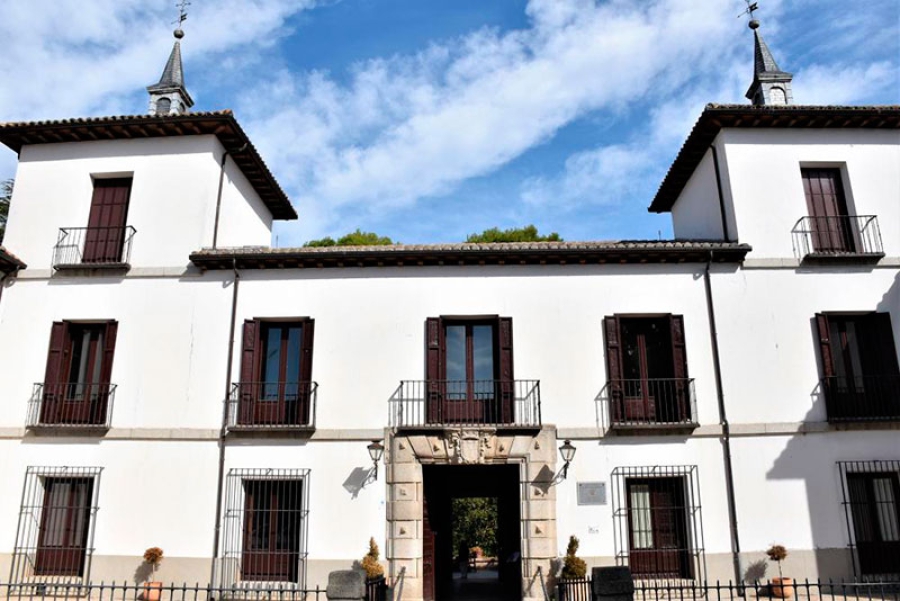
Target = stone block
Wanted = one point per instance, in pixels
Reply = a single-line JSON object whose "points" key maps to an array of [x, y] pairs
{"points": [[346, 584], [540, 510], [521, 446], [406, 529], [399, 511], [406, 472], [541, 529], [406, 491], [402, 451], [407, 549], [542, 548], [410, 567], [421, 446]]}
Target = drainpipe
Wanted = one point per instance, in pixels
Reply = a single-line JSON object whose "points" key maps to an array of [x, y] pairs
{"points": [[715, 155], [13, 274], [726, 430], [219, 193], [220, 481]]}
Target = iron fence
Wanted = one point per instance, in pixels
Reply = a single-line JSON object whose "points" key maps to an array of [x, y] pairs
{"points": [[649, 403], [649, 590], [500, 403], [151, 591], [840, 235], [93, 246], [272, 405], [862, 398], [376, 589], [71, 406]]}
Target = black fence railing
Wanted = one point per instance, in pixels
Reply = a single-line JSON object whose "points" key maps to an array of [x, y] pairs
{"points": [[376, 589], [579, 589], [272, 406], [71, 405], [78, 247], [862, 398], [153, 591], [500, 403], [836, 236], [651, 403]]}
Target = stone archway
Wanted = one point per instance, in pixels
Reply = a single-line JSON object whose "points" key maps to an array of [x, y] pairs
{"points": [[533, 453]]}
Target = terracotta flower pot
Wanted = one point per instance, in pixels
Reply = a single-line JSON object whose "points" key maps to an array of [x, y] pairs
{"points": [[152, 591], [783, 588]]}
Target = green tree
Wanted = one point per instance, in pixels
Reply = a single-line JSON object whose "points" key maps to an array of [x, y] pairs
{"points": [[529, 233], [357, 238], [475, 524], [6, 190], [573, 566]]}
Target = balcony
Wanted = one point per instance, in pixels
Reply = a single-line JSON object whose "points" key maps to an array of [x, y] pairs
{"points": [[852, 238], [652, 405], [272, 406], [71, 406], [862, 398], [436, 404], [93, 248]]}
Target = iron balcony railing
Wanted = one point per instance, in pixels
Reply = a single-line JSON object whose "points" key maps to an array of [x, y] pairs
{"points": [[272, 406], [437, 403], [78, 247], [862, 398], [650, 403], [837, 236], [71, 406]]}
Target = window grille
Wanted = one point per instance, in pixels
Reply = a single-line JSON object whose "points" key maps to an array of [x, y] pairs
{"points": [[657, 522], [871, 500], [265, 529], [55, 533]]}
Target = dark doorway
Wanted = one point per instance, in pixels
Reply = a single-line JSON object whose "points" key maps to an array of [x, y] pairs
{"points": [[442, 485]]}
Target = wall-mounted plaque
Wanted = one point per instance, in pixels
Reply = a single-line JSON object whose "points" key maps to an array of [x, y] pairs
{"points": [[592, 493]]}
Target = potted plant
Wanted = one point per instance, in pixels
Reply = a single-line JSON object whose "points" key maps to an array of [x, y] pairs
{"points": [[573, 566], [781, 587], [153, 588], [374, 570]]}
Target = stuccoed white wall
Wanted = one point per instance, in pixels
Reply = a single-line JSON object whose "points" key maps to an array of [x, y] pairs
{"points": [[768, 339], [243, 219], [171, 348], [172, 203], [697, 214], [765, 189], [370, 327]]}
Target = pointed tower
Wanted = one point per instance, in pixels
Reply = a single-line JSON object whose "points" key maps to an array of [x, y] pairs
{"points": [[169, 96], [771, 86]]}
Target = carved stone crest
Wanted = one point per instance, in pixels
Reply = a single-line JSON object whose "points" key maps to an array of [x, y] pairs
{"points": [[469, 446]]}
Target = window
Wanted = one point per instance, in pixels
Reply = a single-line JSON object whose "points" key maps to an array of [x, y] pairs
{"points": [[647, 368], [831, 225], [76, 388], [861, 378], [56, 522], [658, 526], [265, 526], [469, 370], [276, 370], [105, 235], [872, 503]]}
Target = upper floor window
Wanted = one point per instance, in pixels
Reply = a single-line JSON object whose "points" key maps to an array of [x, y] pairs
{"points": [[469, 369], [76, 389], [647, 368], [106, 239], [872, 503], [276, 373], [860, 375]]}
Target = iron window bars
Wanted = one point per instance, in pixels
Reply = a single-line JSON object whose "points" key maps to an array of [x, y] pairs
{"points": [[55, 532], [265, 529], [657, 522], [871, 500]]}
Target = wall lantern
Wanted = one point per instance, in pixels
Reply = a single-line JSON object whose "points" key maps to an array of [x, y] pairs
{"points": [[568, 454], [376, 450]]}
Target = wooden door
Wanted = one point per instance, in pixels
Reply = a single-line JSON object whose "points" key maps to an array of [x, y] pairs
{"points": [[429, 553], [647, 365], [105, 235], [832, 227], [272, 526], [657, 528], [65, 520], [875, 507]]}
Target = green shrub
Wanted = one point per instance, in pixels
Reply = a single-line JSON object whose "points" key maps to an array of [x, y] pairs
{"points": [[573, 566]]}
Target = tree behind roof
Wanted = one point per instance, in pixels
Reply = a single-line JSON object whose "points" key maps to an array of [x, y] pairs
{"points": [[529, 233]]}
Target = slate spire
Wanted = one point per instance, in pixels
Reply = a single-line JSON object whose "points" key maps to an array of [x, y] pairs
{"points": [[771, 86], [169, 96]]}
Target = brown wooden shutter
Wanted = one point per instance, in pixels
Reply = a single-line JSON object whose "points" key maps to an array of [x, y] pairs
{"points": [[611, 332], [55, 374], [825, 345], [507, 378], [106, 221], [109, 349], [679, 352], [434, 368], [306, 359], [249, 350]]}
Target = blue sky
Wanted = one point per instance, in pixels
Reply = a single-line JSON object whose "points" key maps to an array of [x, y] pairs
{"points": [[427, 120]]}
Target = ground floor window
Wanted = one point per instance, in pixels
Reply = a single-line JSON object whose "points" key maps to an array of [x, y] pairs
{"points": [[658, 526], [56, 523], [265, 526], [871, 491]]}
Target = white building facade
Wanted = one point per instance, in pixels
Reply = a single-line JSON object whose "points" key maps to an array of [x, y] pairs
{"points": [[170, 380]]}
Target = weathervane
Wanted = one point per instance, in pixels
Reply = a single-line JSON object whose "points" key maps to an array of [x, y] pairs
{"points": [[751, 8], [182, 12]]}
